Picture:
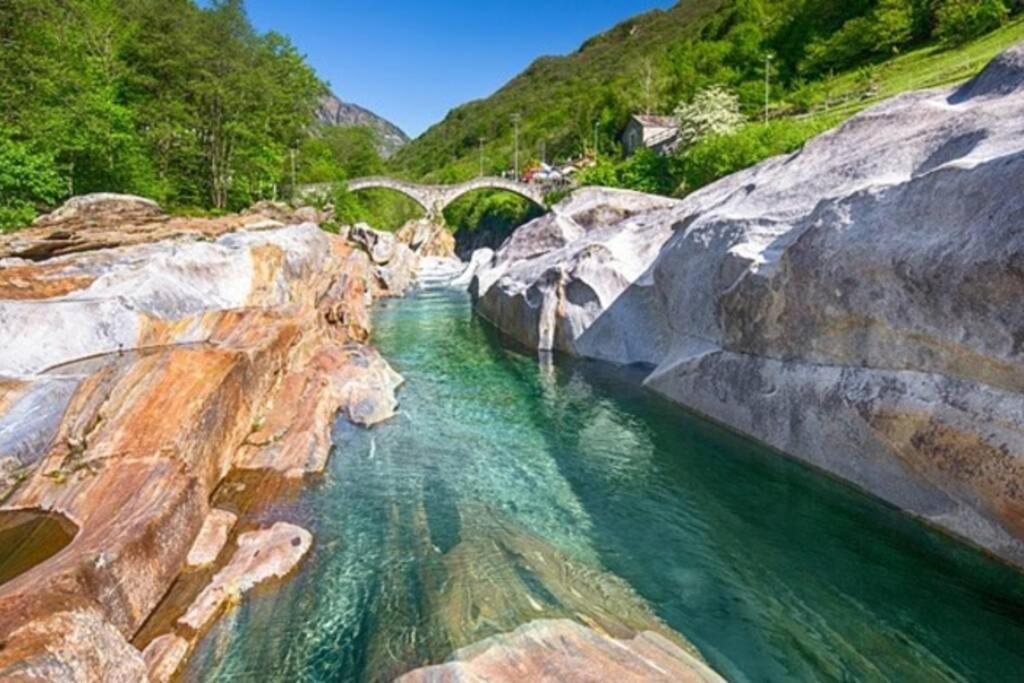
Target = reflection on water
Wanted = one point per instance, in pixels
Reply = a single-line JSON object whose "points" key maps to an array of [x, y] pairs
{"points": [[510, 490]]}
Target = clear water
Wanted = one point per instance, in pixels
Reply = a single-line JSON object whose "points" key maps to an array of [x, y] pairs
{"points": [[511, 489]]}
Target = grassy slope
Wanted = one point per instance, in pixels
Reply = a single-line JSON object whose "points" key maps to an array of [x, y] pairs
{"points": [[928, 67]]}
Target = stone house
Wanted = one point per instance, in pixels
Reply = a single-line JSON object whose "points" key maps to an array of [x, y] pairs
{"points": [[660, 133]]}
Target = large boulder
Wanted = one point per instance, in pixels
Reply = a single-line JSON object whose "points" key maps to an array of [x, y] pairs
{"points": [[556, 276], [137, 371], [396, 264], [855, 304]]}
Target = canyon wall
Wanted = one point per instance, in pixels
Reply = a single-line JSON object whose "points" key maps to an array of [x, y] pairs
{"points": [[855, 305]]}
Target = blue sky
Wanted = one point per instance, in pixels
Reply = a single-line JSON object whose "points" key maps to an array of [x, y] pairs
{"points": [[412, 61]]}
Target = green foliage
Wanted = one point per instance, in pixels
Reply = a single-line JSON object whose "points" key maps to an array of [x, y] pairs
{"points": [[720, 155], [27, 180], [495, 211], [381, 209], [645, 171], [658, 59], [164, 98], [336, 154], [957, 21]]}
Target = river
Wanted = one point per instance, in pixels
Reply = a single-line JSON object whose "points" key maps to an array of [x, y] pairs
{"points": [[512, 488]]}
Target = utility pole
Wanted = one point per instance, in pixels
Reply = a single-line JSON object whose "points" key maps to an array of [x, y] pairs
{"points": [[516, 118], [767, 82], [648, 87], [293, 174], [481, 157]]}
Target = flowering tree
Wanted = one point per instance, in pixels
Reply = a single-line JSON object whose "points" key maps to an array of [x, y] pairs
{"points": [[714, 111]]}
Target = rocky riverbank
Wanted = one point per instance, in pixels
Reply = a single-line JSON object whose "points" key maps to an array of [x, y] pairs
{"points": [[145, 358], [855, 305]]}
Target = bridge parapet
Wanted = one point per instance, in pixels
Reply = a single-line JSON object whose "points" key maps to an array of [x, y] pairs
{"points": [[436, 198]]}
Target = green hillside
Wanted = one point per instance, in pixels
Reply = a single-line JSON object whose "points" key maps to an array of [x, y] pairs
{"points": [[830, 59]]}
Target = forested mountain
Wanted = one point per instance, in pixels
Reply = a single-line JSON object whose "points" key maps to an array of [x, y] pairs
{"points": [[186, 104], [656, 61]]}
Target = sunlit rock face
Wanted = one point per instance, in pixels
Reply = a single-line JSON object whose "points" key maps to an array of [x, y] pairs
{"points": [[395, 264], [428, 239], [142, 359], [855, 304], [568, 652], [553, 280]]}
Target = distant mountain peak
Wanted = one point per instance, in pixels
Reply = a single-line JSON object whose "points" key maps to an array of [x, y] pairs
{"points": [[335, 112]]}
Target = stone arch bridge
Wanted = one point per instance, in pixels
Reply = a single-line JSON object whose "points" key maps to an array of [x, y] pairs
{"points": [[435, 198]]}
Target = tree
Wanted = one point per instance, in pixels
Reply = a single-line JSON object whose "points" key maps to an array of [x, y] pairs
{"points": [[957, 21], [714, 111], [28, 180]]}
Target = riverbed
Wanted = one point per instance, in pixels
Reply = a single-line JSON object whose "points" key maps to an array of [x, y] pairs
{"points": [[513, 487]]}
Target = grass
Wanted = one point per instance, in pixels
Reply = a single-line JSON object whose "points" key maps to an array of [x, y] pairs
{"points": [[929, 67]]}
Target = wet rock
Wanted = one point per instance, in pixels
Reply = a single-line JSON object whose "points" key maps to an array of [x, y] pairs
{"points": [[293, 434], [855, 304], [261, 556], [212, 538], [563, 651], [164, 657]]}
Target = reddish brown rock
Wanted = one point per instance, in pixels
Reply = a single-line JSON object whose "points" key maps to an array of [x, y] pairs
{"points": [[261, 556], [131, 381], [164, 657], [563, 651], [212, 538]]}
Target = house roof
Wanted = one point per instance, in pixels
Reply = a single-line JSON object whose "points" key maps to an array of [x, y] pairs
{"points": [[655, 121]]}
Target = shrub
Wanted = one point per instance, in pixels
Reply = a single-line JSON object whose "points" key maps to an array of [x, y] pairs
{"points": [[718, 156], [645, 171], [28, 181], [714, 111], [957, 21]]}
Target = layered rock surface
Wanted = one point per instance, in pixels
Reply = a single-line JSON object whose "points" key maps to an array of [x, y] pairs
{"points": [[563, 651], [855, 304], [143, 359]]}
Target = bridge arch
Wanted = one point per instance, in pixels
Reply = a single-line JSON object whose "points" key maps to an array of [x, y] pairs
{"points": [[436, 198]]}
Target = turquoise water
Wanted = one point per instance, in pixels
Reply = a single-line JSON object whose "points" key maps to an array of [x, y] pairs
{"points": [[511, 488]]}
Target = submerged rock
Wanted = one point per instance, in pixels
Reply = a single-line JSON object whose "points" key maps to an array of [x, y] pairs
{"points": [[563, 651], [262, 555], [855, 304]]}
